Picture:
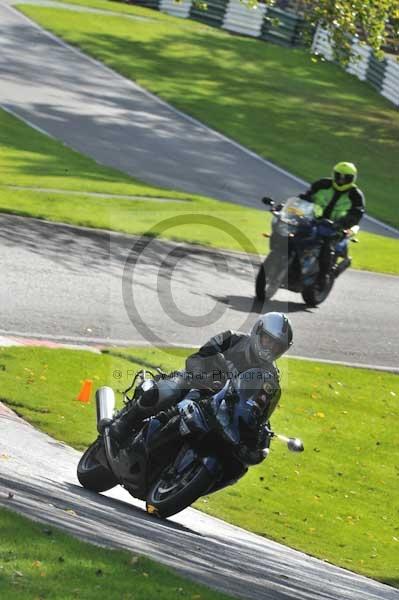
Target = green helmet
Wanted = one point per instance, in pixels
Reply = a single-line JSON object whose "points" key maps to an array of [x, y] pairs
{"points": [[344, 176]]}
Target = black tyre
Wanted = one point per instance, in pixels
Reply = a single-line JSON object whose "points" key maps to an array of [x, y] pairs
{"points": [[91, 474], [268, 278], [316, 294], [171, 494]]}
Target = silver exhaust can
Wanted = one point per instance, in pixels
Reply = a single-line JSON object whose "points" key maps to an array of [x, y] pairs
{"points": [[105, 404]]}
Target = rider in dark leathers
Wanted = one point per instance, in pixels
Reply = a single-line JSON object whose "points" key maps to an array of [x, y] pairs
{"points": [[224, 356]]}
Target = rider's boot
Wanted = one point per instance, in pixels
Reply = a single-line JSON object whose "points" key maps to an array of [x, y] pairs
{"points": [[342, 266], [127, 419]]}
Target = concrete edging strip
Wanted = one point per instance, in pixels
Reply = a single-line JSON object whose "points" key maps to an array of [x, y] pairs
{"points": [[74, 343]]}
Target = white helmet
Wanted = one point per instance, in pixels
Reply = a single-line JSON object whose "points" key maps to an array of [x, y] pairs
{"points": [[271, 336]]}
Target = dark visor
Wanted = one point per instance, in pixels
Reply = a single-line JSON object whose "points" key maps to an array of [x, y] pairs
{"points": [[342, 178], [268, 342]]}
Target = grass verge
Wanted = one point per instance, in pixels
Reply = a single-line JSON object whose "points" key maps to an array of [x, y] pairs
{"points": [[56, 565], [31, 159], [337, 501], [290, 114]]}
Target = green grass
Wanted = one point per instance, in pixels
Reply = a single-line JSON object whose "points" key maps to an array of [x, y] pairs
{"points": [[229, 226], [28, 158], [302, 115], [56, 565], [138, 11], [42, 386], [338, 500]]}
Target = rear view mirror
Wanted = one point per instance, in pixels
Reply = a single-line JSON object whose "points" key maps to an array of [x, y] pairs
{"points": [[295, 445], [268, 201]]}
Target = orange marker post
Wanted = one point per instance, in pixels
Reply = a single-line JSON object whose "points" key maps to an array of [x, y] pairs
{"points": [[85, 392]]}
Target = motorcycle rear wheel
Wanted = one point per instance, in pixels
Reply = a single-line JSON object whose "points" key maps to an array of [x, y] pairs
{"points": [[93, 475], [168, 497], [265, 283]]}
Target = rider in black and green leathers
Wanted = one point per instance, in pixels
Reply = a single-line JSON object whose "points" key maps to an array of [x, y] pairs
{"points": [[339, 199]]}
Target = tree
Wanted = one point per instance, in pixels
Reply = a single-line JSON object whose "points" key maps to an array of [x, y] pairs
{"points": [[372, 21]]}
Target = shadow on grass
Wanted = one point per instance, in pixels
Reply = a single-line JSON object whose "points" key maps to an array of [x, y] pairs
{"points": [[393, 582]]}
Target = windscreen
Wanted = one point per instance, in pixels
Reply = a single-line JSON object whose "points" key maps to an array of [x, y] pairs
{"points": [[296, 210]]}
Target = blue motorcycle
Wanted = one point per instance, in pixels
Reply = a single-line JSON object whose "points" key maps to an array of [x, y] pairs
{"points": [[296, 244], [193, 449]]}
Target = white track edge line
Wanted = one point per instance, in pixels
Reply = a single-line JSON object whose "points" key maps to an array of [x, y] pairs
{"points": [[107, 342], [25, 120]]}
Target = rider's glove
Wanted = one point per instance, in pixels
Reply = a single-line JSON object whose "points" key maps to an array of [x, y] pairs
{"points": [[219, 370], [250, 456], [208, 381]]}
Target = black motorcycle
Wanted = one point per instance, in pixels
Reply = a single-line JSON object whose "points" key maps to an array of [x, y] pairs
{"points": [[295, 245], [193, 449]]}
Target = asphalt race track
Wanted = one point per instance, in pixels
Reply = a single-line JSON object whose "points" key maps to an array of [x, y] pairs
{"points": [[72, 283], [99, 113], [210, 551]]}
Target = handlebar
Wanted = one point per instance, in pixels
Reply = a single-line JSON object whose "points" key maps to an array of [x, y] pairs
{"points": [[273, 206]]}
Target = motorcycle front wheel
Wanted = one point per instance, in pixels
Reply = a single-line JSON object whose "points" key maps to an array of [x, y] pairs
{"points": [[173, 492], [316, 294], [268, 278], [92, 474]]}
